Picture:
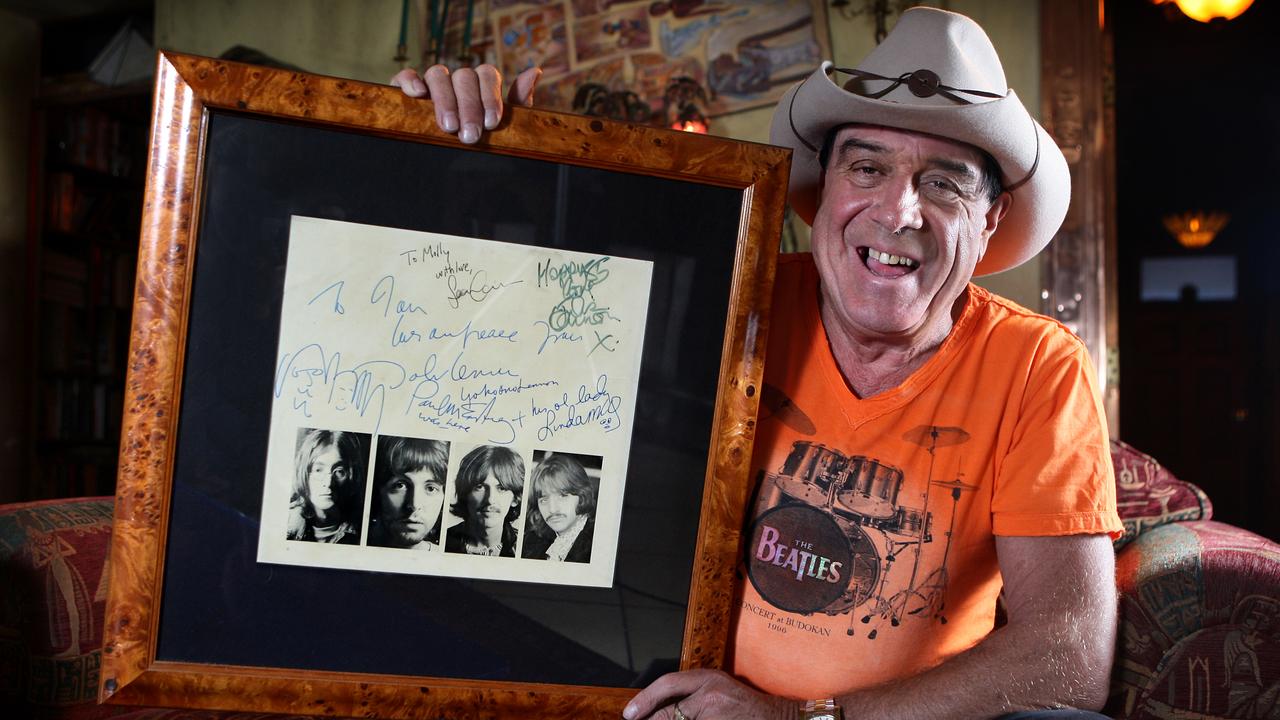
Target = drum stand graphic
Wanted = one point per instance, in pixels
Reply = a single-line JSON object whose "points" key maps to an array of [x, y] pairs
{"points": [[932, 589]]}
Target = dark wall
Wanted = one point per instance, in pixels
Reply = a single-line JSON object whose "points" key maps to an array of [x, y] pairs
{"points": [[1198, 127]]}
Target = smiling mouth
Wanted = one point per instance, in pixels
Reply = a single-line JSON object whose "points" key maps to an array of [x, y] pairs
{"points": [[885, 264]]}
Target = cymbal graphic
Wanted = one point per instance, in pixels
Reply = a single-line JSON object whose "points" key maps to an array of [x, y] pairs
{"points": [[932, 436], [777, 403], [955, 484]]}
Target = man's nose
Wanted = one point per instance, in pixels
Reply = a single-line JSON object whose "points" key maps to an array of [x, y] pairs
{"points": [[898, 206]]}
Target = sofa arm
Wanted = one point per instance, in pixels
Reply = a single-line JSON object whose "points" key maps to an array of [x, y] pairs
{"points": [[1199, 624], [52, 597]]}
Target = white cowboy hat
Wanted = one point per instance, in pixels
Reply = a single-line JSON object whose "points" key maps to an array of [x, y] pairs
{"points": [[936, 73]]}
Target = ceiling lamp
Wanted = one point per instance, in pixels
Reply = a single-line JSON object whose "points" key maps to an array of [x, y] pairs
{"points": [[1206, 10], [1195, 229]]}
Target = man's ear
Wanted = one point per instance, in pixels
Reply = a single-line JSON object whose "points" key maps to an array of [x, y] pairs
{"points": [[999, 207]]}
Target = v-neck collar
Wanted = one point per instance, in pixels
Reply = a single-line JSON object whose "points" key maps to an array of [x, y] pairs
{"points": [[861, 410]]}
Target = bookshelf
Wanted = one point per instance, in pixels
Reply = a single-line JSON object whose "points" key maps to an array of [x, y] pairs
{"points": [[86, 183]]}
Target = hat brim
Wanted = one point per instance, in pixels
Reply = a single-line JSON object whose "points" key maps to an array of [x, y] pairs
{"points": [[1001, 127]]}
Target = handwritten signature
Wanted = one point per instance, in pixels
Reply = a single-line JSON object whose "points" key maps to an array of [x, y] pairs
{"points": [[556, 336], [311, 375], [477, 290], [591, 406]]}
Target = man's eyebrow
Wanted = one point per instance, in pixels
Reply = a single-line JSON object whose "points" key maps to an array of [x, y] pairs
{"points": [[955, 166], [853, 143]]}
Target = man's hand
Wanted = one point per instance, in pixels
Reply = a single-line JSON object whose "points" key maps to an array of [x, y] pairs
{"points": [[707, 695], [467, 99]]}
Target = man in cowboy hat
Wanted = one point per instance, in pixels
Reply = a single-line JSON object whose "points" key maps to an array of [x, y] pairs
{"points": [[952, 446]]}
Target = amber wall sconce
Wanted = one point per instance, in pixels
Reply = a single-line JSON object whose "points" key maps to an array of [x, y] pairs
{"points": [[1195, 229]]}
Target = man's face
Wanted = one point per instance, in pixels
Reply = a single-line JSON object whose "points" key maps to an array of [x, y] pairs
{"points": [[883, 286], [559, 509], [488, 502], [327, 476], [411, 505]]}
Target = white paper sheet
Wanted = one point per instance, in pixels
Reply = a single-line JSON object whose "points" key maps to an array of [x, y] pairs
{"points": [[388, 333]]}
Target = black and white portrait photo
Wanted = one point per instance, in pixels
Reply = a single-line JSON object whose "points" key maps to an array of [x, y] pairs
{"points": [[563, 491], [328, 486], [488, 490], [408, 493]]}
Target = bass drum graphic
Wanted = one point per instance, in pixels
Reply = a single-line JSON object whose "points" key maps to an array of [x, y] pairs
{"points": [[837, 570], [864, 569]]}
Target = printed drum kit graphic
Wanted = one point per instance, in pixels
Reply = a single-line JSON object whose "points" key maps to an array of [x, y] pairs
{"points": [[819, 489]]}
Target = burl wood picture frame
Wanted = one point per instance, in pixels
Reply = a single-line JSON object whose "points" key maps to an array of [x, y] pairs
{"points": [[193, 620]]}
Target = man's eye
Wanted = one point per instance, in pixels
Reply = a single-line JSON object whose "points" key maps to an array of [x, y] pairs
{"points": [[433, 488], [944, 186]]}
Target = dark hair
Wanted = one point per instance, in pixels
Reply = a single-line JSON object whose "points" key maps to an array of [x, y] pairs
{"points": [[505, 464], [559, 473], [347, 498], [404, 455], [990, 185]]}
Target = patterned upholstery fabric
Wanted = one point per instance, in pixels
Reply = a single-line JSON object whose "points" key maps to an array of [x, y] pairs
{"points": [[52, 600], [1149, 496], [1199, 624], [53, 558]]}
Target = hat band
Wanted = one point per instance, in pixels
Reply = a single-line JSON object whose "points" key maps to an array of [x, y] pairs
{"points": [[922, 83]]}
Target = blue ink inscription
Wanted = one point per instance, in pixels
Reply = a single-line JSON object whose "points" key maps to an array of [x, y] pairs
{"points": [[337, 297], [594, 406]]}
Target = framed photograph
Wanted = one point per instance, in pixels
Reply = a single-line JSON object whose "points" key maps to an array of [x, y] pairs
{"points": [[419, 429]]}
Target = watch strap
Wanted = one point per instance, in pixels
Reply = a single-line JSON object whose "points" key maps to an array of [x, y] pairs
{"points": [[825, 709]]}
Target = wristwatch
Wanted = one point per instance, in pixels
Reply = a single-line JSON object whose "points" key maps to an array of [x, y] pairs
{"points": [[821, 710]]}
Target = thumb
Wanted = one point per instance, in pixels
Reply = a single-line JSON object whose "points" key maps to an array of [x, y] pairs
{"points": [[521, 92]]}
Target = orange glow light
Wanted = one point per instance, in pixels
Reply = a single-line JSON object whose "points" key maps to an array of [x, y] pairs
{"points": [[692, 126], [1206, 10], [1195, 229]]}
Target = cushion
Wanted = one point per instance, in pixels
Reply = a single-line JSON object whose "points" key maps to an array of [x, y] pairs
{"points": [[1148, 495], [52, 600], [1199, 624]]}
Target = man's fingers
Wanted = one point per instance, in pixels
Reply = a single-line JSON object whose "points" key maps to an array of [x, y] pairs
{"points": [[490, 95], [408, 81], [665, 691], [441, 87], [467, 101], [466, 89], [521, 92]]}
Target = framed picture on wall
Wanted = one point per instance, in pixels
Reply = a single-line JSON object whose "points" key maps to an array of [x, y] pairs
{"points": [[369, 364]]}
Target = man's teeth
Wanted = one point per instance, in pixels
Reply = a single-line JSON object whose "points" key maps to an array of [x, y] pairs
{"points": [[887, 259]]}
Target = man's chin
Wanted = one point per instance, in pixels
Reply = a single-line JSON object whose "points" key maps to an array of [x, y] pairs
{"points": [[410, 536]]}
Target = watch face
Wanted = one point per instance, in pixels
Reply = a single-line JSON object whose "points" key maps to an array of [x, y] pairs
{"points": [[822, 716]]}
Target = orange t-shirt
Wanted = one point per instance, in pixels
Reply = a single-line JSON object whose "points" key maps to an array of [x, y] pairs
{"points": [[871, 556]]}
